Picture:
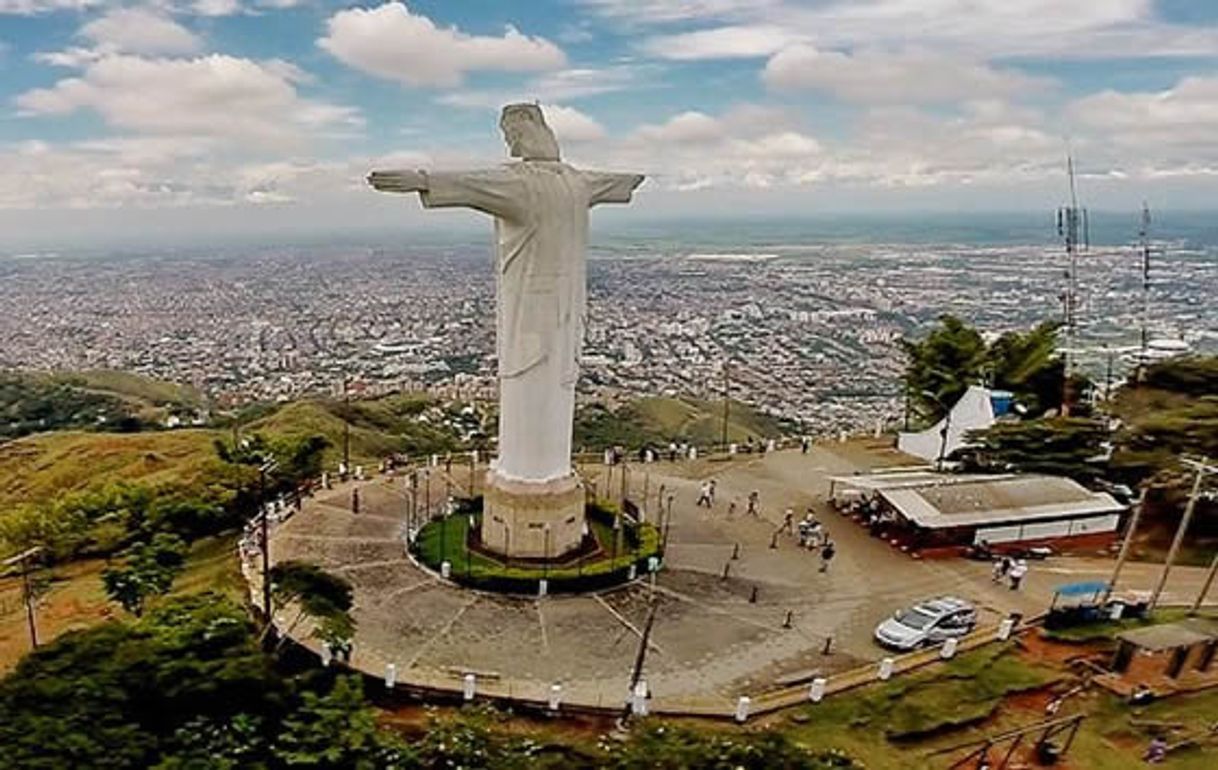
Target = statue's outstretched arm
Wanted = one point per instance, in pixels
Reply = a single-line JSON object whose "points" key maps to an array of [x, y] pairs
{"points": [[399, 181]]}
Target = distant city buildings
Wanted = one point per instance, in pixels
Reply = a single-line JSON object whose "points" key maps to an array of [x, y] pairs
{"points": [[809, 333]]}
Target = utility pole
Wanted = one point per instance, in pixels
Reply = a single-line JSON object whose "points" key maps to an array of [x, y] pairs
{"points": [[1127, 543], [1072, 226], [1205, 589], [27, 588], [1202, 467]]}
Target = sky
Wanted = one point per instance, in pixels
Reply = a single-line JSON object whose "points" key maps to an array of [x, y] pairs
{"points": [[191, 119]]}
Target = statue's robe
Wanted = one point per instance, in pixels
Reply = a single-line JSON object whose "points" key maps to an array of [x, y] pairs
{"points": [[541, 228]]}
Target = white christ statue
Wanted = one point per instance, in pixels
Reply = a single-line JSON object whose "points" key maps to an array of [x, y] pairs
{"points": [[540, 206]]}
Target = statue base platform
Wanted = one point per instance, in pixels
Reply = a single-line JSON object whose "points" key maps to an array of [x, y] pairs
{"points": [[532, 520]]}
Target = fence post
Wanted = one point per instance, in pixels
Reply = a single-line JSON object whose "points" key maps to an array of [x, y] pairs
{"points": [[638, 699], [555, 697], [467, 687], [1005, 628], [948, 650], [391, 676], [885, 672]]}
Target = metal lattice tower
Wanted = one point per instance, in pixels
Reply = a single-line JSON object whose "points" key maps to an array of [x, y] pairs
{"points": [[1144, 247], [1072, 226]]}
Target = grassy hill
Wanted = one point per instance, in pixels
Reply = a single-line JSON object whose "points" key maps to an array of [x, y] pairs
{"points": [[661, 420], [42, 466], [32, 402]]}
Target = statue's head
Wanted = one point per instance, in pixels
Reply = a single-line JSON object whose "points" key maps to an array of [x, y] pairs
{"points": [[526, 133]]}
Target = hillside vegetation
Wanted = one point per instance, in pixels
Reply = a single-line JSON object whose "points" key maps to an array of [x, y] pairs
{"points": [[661, 420], [104, 400]]}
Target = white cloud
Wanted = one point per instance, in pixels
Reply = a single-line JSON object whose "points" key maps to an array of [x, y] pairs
{"points": [[34, 7], [668, 11], [911, 77], [1172, 128], [140, 31], [215, 8], [393, 43], [686, 128], [210, 96], [734, 42], [571, 125], [563, 85]]}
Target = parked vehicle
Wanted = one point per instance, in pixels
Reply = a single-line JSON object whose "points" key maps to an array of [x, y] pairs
{"points": [[926, 623]]}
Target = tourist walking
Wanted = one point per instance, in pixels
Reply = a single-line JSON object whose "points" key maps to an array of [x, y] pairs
{"points": [[999, 569], [803, 445], [827, 552], [704, 495], [754, 498], [788, 522], [711, 492], [1017, 574]]}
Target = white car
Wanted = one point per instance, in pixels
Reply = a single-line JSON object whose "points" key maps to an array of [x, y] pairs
{"points": [[929, 622]]}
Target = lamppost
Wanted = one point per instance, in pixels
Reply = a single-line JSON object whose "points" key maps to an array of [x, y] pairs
{"points": [[1202, 467], [947, 426], [267, 466]]}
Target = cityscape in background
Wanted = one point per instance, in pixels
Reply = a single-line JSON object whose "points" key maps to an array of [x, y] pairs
{"points": [[807, 315]]}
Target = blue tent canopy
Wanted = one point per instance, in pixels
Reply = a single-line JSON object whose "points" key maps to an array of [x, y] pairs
{"points": [[1081, 589]]}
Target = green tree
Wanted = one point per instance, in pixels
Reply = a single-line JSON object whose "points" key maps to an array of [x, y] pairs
{"points": [[1028, 365], [944, 363], [1062, 446], [338, 730], [148, 570]]}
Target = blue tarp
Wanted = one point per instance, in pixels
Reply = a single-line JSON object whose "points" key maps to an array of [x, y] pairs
{"points": [[1082, 589]]}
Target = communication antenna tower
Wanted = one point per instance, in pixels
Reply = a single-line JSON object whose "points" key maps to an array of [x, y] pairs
{"points": [[1144, 247], [1074, 229]]}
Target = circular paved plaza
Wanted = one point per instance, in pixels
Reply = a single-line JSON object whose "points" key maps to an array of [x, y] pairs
{"points": [[714, 638]]}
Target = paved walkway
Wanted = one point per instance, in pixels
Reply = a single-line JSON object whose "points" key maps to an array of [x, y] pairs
{"points": [[711, 641]]}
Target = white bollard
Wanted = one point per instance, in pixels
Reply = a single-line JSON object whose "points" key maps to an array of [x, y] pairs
{"points": [[555, 697], [446, 569], [948, 650], [653, 563], [359, 473], [771, 445], [885, 672], [816, 693], [326, 655], [325, 479], [473, 456], [467, 687], [841, 437], [632, 573], [608, 457], [1005, 628], [543, 587], [1116, 611], [391, 676], [731, 449], [638, 699], [693, 453], [742, 708]]}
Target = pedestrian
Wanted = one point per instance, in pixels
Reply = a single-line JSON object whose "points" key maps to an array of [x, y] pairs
{"points": [[754, 498], [805, 530], [672, 451], [1156, 752], [711, 492], [355, 500], [704, 496], [816, 534], [998, 570], [827, 552], [731, 507], [803, 445], [788, 521], [1018, 571]]}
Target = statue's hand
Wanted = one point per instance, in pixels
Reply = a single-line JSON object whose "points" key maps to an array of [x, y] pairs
{"points": [[398, 181]]}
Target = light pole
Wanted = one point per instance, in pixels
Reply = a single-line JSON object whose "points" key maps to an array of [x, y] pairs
{"points": [[727, 401], [947, 426], [267, 466], [346, 431]]}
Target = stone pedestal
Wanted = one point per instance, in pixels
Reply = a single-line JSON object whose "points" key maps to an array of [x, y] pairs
{"points": [[517, 515]]}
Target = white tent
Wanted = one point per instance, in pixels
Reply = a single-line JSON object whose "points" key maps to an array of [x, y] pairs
{"points": [[974, 411]]}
